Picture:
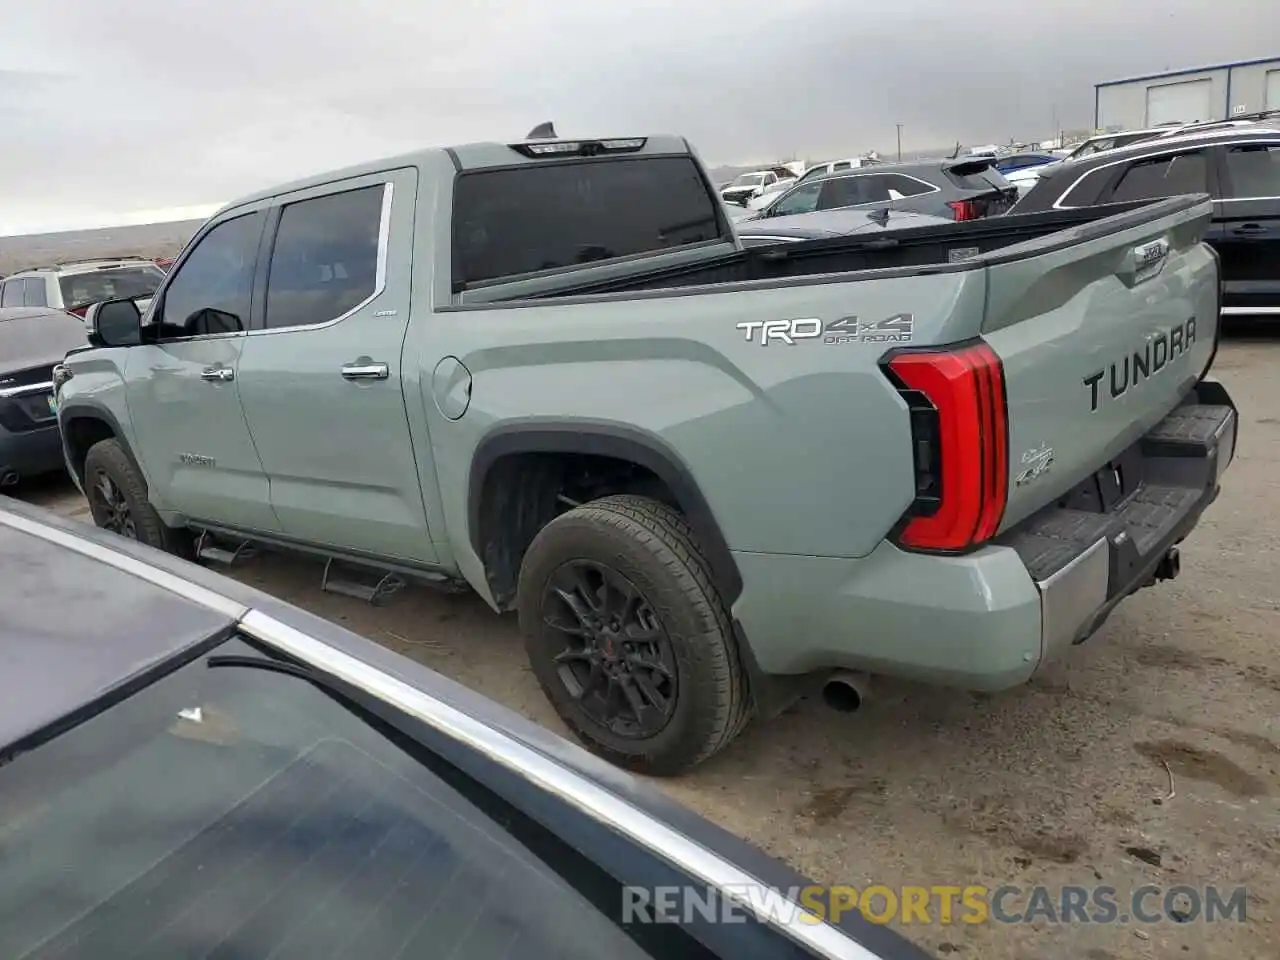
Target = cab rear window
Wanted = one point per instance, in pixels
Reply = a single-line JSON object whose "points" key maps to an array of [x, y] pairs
{"points": [[512, 222]]}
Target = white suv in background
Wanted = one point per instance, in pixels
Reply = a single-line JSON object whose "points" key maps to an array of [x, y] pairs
{"points": [[73, 287]]}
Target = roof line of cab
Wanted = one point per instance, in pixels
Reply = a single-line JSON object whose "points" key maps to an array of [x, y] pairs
{"points": [[469, 156]]}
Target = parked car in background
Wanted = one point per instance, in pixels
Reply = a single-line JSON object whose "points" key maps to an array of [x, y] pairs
{"points": [[298, 384], [190, 768], [826, 224], [817, 170], [1023, 169], [968, 188], [32, 341], [748, 185], [74, 286], [1238, 166]]}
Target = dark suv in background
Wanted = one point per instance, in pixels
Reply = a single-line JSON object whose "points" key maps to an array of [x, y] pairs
{"points": [[1238, 167], [966, 189]]}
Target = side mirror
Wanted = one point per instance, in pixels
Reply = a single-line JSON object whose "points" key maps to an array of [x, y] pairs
{"points": [[114, 323]]}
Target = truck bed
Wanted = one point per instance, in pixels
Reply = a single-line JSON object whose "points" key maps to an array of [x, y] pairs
{"points": [[940, 247]]}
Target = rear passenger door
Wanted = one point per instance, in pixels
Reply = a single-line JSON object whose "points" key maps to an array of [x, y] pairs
{"points": [[321, 379], [1247, 233]]}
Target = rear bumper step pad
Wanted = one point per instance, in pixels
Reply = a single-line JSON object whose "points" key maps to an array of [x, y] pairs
{"points": [[1106, 538]]}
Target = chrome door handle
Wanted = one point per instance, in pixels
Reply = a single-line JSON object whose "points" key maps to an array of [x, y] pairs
{"points": [[217, 374], [365, 370]]}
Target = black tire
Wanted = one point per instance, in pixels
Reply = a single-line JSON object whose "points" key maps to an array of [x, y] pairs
{"points": [[126, 510], [655, 550]]}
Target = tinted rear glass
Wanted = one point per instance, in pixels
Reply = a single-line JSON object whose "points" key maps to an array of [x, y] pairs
{"points": [[31, 341], [80, 289], [517, 221], [1163, 177]]}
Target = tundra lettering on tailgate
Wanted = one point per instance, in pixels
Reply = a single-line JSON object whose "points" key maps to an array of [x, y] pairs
{"points": [[1159, 351]]}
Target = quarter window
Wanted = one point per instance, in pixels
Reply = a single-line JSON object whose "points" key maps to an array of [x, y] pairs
{"points": [[1253, 170], [212, 289], [325, 259], [1167, 176]]}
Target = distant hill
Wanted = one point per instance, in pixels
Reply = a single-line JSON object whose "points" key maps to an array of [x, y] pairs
{"points": [[151, 240]]}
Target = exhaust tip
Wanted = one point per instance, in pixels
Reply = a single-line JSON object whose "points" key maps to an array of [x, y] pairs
{"points": [[844, 692]]}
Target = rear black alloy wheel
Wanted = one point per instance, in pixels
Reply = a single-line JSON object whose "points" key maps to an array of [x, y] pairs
{"points": [[617, 661], [629, 638], [109, 507]]}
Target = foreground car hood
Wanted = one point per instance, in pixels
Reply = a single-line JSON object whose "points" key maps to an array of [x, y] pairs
{"points": [[106, 556]]}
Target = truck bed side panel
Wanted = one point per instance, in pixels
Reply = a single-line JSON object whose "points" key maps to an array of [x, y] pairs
{"points": [[800, 448]]}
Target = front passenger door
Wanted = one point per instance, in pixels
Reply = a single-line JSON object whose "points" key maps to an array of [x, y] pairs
{"points": [[181, 388]]}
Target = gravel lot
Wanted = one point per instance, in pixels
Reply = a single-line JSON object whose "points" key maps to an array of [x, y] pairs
{"points": [[1056, 783]]}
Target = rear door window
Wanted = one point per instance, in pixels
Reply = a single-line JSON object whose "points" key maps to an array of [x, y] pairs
{"points": [[1166, 176], [871, 188], [532, 218], [35, 292], [13, 294], [1253, 171], [325, 260]]}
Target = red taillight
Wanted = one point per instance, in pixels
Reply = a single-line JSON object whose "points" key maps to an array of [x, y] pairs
{"points": [[962, 470], [965, 209]]}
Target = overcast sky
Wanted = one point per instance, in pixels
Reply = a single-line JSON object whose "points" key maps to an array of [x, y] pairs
{"points": [[113, 106]]}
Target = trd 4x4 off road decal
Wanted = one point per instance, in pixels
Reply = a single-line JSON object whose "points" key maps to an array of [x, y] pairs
{"points": [[898, 328]]}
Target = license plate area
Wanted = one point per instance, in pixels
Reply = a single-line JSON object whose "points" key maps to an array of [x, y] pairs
{"points": [[1110, 486]]}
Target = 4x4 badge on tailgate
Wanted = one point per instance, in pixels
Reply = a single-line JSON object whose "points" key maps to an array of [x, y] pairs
{"points": [[898, 328]]}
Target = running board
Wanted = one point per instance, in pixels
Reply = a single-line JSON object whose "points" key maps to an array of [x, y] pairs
{"points": [[207, 549], [383, 588]]}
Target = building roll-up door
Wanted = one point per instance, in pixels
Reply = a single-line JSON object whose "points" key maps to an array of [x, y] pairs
{"points": [[1185, 102], [1273, 90]]}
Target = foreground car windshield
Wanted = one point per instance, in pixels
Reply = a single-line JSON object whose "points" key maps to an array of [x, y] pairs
{"points": [[82, 289], [237, 812]]}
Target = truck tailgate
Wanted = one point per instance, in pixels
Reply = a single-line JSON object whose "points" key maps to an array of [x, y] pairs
{"points": [[1101, 329]]}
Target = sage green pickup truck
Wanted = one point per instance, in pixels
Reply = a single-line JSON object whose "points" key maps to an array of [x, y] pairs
{"points": [[709, 479]]}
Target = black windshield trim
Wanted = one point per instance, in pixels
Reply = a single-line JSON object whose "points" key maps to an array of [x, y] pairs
{"points": [[113, 695]]}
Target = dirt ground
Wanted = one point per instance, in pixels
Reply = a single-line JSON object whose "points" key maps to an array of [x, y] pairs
{"points": [[1062, 782]]}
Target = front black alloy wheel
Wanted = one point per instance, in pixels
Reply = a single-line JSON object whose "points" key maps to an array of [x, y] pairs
{"points": [[629, 638], [117, 495], [617, 661]]}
